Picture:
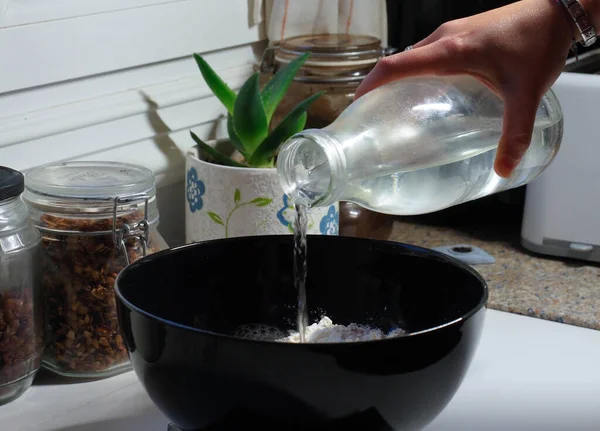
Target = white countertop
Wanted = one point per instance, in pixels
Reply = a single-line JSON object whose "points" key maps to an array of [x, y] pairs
{"points": [[528, 375]]}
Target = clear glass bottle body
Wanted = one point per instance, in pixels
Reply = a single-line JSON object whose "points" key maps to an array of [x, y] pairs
{"points": [[88, 237], [414, 146], [21, 301]]}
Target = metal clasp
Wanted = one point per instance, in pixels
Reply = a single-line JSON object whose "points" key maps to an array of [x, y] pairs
{"points": [[139, 230]]}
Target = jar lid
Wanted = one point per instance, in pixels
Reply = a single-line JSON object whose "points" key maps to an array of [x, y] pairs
{"points": [[334, 57], [89, 180], [332, 45], [11, 183]]}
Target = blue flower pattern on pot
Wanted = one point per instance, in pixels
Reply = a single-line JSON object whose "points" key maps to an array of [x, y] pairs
{"points": [[285, 212], [195, 190], [330, 223]]}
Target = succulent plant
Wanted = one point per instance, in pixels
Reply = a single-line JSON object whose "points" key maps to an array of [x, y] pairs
{"points": [[249, 115]]}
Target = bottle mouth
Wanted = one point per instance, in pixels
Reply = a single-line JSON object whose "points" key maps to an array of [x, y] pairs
{"points": [[309, 166]]}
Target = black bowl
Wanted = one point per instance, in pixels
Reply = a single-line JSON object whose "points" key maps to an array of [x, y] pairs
{"points": [[179, 311]]}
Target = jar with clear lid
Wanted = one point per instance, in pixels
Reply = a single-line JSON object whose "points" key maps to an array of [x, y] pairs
{"points": [[21, 297], [95, 218], [337, 65]]}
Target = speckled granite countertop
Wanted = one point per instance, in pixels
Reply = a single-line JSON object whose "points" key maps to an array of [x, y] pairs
{"points": [[562, 290]]}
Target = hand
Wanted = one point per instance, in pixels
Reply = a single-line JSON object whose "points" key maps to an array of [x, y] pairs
{"points": [[518, 51]]}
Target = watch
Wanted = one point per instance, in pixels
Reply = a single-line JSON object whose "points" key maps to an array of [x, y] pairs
{"points": [[581, 20]]}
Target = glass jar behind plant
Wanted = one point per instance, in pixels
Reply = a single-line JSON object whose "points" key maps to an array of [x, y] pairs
{"points": [[21, 300], [337, 65], [95, 218]]}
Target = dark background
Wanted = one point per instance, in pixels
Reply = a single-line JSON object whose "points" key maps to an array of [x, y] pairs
{"points": [[412, 20], [409, 21]]}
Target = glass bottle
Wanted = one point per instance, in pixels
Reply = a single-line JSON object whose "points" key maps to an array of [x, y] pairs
{"points": [[95, 218], [414, 146], [337, 65], [21, 298]]}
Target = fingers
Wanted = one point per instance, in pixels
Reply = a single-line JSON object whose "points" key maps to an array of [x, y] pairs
{"points": [[519, 119], [443, 57], [447, 29], [436, 35]]}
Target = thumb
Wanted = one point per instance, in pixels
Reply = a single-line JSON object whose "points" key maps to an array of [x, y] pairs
{"points": [[519, 119]]}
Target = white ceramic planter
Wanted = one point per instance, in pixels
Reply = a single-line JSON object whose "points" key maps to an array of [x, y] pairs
{"points": [[225, 202]]}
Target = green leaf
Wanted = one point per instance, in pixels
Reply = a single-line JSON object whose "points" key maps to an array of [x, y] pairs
{"points": [[216, 84], [217, 155], [261, 202], [234, 139], [237, 196], [293, 123], [216, 218], [249, 119], [274, 90]]}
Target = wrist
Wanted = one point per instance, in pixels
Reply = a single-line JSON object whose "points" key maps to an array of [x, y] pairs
{"points": [[556, 15]]}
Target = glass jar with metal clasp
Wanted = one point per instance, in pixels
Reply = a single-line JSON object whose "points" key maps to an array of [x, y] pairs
{"points": [[95, 218]]}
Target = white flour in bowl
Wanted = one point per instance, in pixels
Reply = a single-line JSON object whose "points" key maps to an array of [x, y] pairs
{"points": [[327, 332]]}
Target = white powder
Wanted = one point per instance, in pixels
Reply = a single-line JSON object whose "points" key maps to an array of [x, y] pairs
{"points": [[327, 332], [259, 332]]}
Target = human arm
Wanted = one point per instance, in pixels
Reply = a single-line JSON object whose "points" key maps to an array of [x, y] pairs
{"points": [[518, 51]]}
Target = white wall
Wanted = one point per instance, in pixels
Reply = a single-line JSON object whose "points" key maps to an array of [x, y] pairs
{"points": [[114, 80]]}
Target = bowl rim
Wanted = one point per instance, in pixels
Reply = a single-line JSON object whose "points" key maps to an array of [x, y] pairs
{"points": [[418, 250]]}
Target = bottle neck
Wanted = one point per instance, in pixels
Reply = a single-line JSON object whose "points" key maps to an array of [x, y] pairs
{"points": [[312, 168]]}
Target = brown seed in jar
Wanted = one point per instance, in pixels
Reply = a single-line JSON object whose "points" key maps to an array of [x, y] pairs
{"points": [[21, 339], [81, 271]]}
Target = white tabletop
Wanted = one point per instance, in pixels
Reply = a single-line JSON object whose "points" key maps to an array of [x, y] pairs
{"points": [[528, 375]]}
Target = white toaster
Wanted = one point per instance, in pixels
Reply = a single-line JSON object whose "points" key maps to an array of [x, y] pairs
{"points": [[562, 207]]}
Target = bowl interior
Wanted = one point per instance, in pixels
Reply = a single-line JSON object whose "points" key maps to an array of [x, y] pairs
{"points": [[222, 286]]}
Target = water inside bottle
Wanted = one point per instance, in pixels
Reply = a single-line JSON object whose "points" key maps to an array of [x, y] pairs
{"points": [[437, 173]]}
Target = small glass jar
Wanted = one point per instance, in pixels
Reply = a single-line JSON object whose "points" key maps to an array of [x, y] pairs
{"points": [[337, 65], [21, 300], [95, 218]]}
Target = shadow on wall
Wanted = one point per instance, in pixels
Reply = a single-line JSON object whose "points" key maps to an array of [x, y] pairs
{"points": [[171, 198], [162, 140], [171, 204]]}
